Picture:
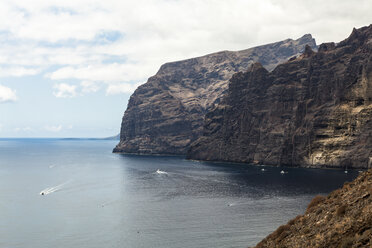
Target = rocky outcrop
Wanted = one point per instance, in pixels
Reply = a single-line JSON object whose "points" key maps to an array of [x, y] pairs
{"points": [[166, 114], [314, 110], [341, 219]]}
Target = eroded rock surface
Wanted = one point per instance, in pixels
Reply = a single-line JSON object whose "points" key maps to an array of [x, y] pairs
{"points": [[166, 114], [341, 219], [314, 110]]}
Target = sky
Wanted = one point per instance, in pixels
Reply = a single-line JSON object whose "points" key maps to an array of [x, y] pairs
{"points": [[68, 68]]}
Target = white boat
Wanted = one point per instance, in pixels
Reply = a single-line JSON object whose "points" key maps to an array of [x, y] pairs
{"points": [[161, 172]]}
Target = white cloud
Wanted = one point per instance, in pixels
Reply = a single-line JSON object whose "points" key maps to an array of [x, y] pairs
{"points": [[64, 90], [114, 89], [89, 86], [22, 129], [111, 42], [101, 72], [54, 129], [17, 71], [7, 94]]}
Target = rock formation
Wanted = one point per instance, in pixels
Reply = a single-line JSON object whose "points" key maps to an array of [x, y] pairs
{"points": [[314, 110], [342, 219], [166, 114]]}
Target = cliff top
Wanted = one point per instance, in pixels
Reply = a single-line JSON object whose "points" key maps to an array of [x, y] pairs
{"points": [[215, 58]]}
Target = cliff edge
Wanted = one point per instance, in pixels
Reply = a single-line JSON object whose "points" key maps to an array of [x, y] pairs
{"points": [[315, 110], [166, 114]]}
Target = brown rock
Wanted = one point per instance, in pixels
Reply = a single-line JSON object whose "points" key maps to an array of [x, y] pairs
{"points": [[313, 111], [342, 219], [167, 113]]}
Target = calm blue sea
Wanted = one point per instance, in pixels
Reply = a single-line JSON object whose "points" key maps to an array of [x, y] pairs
{"points": [[93, 198]]}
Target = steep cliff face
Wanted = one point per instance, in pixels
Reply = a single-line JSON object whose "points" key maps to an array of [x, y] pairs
{"points": [[314, 110], [166, 114], [342, 219]]}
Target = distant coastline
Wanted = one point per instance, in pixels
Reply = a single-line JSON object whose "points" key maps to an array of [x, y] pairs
{"points": [[116, 137]]}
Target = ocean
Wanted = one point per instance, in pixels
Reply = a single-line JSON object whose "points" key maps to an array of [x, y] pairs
{"points": [[77, 193]]}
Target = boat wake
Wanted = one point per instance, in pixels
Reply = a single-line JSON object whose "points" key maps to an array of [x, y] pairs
{"points": [[50, 190], [232, 204], [160, 172]]}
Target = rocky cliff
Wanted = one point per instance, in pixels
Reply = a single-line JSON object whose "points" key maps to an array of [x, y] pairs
{"points": [[343, 219], [166, 114], [314, 110]]}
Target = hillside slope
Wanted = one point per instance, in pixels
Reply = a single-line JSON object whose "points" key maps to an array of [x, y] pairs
{"points": [[343, 219]]}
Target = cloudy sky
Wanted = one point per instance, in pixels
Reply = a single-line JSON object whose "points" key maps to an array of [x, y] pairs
{"points": [[67, 68]]}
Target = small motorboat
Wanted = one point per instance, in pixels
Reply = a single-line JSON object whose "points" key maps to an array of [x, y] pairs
{"points": [[161, 172]]}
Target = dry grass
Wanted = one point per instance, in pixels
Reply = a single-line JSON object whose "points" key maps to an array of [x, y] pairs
{"points": [[315, 201], [347, 242], [329, 217], [280, 233], [341, 210], [370, 190], [293, 221], [343, 219]]}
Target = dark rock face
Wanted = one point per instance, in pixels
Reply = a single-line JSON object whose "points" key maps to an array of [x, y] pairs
{"points": [[167, 113], [314, 111], [342, 219]]}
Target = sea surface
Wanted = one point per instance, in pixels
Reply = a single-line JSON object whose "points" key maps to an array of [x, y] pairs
{"points": [[94, 198]]}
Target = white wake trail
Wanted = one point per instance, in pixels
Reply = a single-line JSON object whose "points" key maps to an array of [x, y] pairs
{"points": [[161, 172], [53, 189]]}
